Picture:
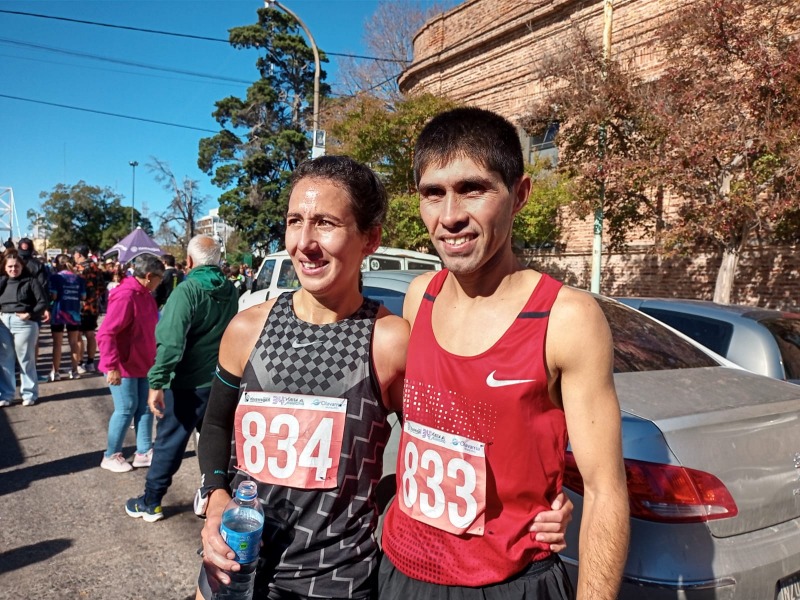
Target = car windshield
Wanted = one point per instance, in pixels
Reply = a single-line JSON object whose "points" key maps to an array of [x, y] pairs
{"points": [[787, 334], [642, 344]]}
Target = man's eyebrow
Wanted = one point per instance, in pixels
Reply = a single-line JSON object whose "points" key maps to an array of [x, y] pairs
{"points": [[470, 181]]}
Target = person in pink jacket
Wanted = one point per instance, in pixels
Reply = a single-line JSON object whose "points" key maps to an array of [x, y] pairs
{"points": [[127, 343]]}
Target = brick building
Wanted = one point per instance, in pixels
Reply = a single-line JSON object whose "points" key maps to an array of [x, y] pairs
{"points": [[484, 53]]}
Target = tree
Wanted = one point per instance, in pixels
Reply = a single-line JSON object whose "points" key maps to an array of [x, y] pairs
{"points": [[86, 214], [184, 207], [609, 140], [718, 130], [537, 224], [388, 36], [733, 123], [264, 135], [383, 136]]}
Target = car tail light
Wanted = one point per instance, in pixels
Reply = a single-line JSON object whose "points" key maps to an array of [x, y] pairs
{"points": [[666, 493]]}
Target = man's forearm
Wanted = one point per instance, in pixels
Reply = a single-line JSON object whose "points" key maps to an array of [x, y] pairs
{"points": [[605, 530]]}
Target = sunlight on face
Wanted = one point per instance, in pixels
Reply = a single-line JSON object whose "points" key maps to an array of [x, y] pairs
{"points": [[13, 267]]}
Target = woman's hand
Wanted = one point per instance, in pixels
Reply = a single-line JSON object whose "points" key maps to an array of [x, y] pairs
{"points": [[24, 316], [218, 558], [113, 377]]}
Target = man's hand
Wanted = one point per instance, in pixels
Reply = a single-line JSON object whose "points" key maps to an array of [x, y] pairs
{"points": [[550, 526], [113, 377], [46, 316], [155, 400], [23, 316]]}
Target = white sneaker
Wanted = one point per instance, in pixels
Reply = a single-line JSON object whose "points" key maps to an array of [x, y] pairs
{"points": [[116, 463], [143, 460], [55, 375], [81, 371], [28, 402], [4, 403], [75, 374]]}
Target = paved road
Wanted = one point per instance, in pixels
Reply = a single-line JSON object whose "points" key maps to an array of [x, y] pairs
{"points": [[63, 529]]}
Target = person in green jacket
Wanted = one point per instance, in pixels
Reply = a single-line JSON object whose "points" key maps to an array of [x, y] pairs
{"points": [[187, 340]]}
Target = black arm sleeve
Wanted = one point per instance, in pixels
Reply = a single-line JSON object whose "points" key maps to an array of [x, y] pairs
{"points": [[214, 449]]}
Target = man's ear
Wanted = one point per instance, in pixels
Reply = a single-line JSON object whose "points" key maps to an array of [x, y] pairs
{"points": [[522, 192]]}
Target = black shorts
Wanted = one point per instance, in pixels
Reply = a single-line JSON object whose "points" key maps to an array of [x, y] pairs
{"points": [[59, 327], [88, 323], [543, 580], [265, 590]]}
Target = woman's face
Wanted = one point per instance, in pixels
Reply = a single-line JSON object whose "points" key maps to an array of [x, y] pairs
{"points": [[13, 267], [323, 239]]}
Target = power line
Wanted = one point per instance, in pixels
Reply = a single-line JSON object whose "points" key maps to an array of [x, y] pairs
{"points": [[118, 61], [175, 34], [109, 114]]}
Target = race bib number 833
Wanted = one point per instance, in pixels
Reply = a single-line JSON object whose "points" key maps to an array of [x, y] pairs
{"points": [[443, 481], [292, 440]]}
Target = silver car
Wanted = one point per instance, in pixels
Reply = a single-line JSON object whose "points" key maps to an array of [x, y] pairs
{"points": [[712, 455], [761, 340]]}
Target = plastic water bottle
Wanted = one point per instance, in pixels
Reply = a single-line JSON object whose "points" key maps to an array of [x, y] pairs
{"points": [[242, 524]]}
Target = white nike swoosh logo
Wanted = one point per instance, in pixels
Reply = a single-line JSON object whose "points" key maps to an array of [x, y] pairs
{"points": [[296, 344], [492, 382]]}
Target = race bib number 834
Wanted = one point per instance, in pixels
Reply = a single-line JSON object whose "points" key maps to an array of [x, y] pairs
{"points": [[292, 440], [443, 479]]}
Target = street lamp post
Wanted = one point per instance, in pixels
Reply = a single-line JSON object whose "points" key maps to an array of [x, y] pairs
{"points": [[597, 238], [133, 164], [317, 150]]}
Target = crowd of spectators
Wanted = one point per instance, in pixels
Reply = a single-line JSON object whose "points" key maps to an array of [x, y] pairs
{"points": [[67, 292]]}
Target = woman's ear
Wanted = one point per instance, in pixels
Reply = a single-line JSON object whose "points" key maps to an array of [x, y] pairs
{"points": [[373, 240]]}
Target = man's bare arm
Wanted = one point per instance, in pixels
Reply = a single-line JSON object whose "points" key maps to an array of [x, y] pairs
{"points": [[594, 425]]}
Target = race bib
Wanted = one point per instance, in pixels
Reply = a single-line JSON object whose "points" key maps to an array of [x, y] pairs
{"points": [[443, 479], [292, 440]]}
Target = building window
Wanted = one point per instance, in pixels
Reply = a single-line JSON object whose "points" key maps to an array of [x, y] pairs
{"points": [[543, 145]]}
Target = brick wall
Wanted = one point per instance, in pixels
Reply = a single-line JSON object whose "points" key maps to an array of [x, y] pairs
{"points": [[485, 52], [768, 277]]}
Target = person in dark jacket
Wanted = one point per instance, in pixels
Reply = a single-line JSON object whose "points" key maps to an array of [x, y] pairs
{"points": [[187, 340], [22, 303], [172, 277]]}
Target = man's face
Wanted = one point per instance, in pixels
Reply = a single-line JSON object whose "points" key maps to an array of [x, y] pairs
{"points": [[468, 212], [77, 257]]}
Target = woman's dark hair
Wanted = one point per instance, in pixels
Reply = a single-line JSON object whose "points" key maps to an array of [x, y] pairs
{"points": [[368, 197], [64, 261], [147, 263]]}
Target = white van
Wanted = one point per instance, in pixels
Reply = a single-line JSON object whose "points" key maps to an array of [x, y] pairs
{"points": [[276, 274]]}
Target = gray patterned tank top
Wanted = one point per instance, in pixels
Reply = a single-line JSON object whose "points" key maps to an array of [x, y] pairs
{"points": [[321, 542]]}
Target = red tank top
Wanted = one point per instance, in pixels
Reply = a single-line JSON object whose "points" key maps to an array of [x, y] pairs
{"points": [[481, 453]]}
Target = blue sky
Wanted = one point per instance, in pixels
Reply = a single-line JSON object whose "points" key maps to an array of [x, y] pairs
{"points": [[45, 62]]}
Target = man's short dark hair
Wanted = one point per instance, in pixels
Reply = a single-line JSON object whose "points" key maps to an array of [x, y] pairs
{"points": [[82, 249], [474, 133], [168, 260]]}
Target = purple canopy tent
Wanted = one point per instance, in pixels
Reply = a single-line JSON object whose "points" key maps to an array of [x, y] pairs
{"points": [[132, 245]]}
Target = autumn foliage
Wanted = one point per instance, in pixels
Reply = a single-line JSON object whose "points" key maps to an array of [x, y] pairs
{"points": [[718, 130]]}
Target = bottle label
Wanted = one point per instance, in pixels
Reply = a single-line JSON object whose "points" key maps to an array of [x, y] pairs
{"points": [[244, 543], [291, 440]]}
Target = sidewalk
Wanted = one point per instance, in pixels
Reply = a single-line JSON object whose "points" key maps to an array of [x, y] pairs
{"points": [[63, 528]]}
